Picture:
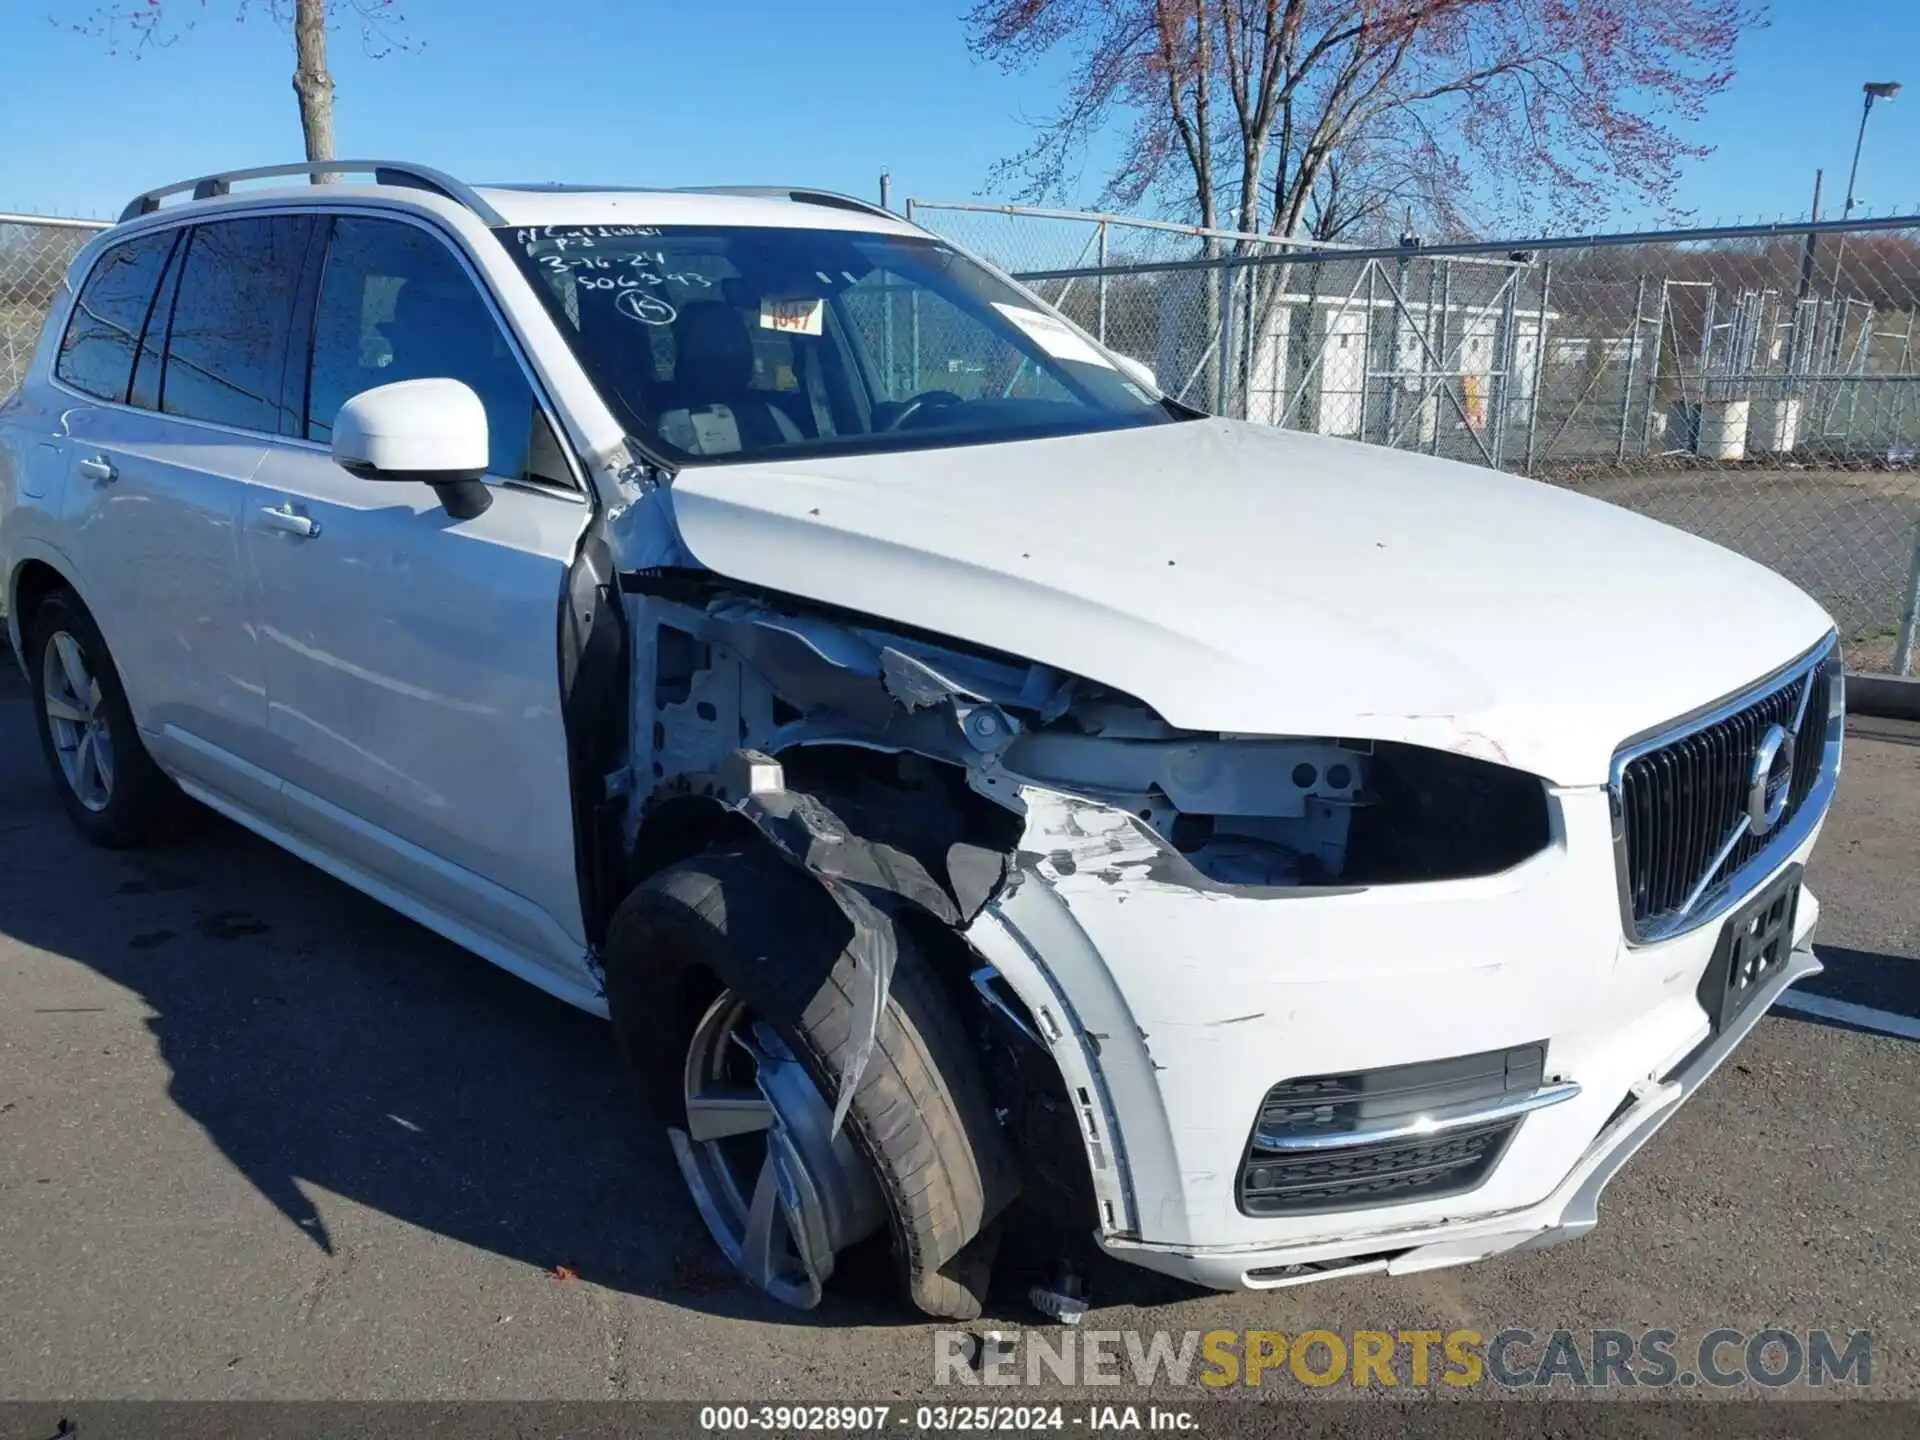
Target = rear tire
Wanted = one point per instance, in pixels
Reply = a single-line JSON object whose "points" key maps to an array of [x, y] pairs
{"points": [[920, 1122], [111, 789]]}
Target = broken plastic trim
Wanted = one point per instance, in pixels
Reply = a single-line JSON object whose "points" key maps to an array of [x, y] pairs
{"points": [[855, 871], [999, 997], [760, 701]]}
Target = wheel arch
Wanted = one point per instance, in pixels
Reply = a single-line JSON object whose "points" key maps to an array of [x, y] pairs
{"points": [[839, 813], [834, 813], [38, 571], [679, 825], [801, 951]]}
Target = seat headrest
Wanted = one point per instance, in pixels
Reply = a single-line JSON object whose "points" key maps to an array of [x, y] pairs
{"points": [[713, 351], [440, 328]]}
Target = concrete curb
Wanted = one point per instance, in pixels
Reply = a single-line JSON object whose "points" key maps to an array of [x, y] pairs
{"points": [[1891, 697]]}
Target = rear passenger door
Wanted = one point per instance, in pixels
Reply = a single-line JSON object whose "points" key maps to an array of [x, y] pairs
{"points": [[412, 660], [176, 407]]}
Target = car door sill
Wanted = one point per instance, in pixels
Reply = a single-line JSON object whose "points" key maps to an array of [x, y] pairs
{"points": [[488, 947], [190, 759]]}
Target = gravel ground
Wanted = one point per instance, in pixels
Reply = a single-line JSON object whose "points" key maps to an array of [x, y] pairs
{"points": [[261, 1138]]}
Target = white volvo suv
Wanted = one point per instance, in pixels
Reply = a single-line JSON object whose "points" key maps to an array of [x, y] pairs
{"points": [[962, 774]]}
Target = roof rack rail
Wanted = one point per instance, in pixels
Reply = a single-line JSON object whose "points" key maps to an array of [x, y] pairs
{"points": [[384, 172], [569, 187], [800, 195]]}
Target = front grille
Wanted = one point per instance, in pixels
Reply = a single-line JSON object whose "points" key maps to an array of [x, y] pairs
{"points": [[1309, 1150], [1679, 799]]}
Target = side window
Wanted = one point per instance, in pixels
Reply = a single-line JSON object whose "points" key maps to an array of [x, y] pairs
{"points": [[96, 353], [145, 394], [226, 350], [396, 305]]}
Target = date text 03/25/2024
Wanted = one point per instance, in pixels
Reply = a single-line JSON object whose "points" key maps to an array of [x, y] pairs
{"points": [[942, 1419]]}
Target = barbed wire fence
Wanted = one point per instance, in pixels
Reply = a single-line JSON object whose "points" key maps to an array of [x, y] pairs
{"points": [[1758, 385]]}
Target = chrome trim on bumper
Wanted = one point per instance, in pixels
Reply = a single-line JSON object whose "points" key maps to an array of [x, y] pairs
{"points": [[1571, 1211], [1721, 896], [1505, 1109]]}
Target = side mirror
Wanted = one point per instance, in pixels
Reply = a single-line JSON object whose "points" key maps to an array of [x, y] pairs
{"points": [[1139, 372], [432, 432]]}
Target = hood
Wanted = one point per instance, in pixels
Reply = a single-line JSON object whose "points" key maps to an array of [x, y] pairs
{"points": [[1257, 581]]}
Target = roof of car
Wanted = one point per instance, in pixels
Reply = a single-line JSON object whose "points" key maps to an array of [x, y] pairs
{"points": [[797, 209], [788, 207]]}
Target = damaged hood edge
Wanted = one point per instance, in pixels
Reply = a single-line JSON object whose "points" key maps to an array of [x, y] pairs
{"points": [[1261, 582]]}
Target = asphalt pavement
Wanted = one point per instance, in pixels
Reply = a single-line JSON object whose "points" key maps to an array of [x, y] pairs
{"points": [[261, 1138]]}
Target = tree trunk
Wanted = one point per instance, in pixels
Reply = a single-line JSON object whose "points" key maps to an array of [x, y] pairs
{"points": [[312, 81]]}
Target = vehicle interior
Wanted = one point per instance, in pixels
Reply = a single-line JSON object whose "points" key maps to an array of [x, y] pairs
{"points": [[736, 343]]}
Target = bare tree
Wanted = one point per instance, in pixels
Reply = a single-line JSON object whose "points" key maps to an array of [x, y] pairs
{"points": [[143, 25], [1298, 116]]}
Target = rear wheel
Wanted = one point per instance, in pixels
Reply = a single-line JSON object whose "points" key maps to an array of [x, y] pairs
{"points": [[107, 782], [731, 979]]}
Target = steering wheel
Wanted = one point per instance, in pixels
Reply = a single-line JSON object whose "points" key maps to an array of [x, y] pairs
{"points": [[915, 404]]}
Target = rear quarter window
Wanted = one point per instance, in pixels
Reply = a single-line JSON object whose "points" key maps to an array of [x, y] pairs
{"points": [[96, 353]]}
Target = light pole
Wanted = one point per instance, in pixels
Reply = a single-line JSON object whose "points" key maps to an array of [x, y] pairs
{"points": [[1873, 90]]}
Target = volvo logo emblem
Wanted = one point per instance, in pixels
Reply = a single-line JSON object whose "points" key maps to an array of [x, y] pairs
{"points": [[1770, 781]]}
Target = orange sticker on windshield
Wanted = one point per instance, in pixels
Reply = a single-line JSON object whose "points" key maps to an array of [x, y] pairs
{"points": [[795, 317]]}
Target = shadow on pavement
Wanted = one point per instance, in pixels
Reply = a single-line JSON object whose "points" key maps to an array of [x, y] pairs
{"points": [[325, 1043], [1887, 984], [322, 1041]]}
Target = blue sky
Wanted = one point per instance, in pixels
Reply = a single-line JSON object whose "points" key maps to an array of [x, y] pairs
{"points": [[752, 91]]}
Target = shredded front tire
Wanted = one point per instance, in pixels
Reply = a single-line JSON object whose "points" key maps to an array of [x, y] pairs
{"points": [[753, 924]]}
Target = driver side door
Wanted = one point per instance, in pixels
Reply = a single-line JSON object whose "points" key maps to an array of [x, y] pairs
{"points": [[412, 660]]}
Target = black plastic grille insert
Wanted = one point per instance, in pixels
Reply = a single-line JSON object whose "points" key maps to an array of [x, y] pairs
{"points": [[1275, 1180]]}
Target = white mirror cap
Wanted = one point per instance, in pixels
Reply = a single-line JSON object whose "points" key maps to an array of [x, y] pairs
{"points": [[413, 428], [1138, 371]]}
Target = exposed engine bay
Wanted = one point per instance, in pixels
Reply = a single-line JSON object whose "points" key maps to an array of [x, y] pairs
{"points": [[866, 721], [922, 778]]}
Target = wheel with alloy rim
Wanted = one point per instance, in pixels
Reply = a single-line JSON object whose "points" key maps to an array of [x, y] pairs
{"points": [[780, 1193], [82, 733], [731, 979], [108, 784]]}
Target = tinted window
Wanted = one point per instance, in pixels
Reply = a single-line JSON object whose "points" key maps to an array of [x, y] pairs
{"points": [[395, 304], [96, 354], [227, 346], [145, 393]]}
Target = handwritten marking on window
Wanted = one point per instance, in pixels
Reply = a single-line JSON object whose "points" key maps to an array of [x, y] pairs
{"points": [[647, 309]]}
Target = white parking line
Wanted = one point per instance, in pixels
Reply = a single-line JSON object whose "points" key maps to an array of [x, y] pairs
{"points": [[1885, 1022]]}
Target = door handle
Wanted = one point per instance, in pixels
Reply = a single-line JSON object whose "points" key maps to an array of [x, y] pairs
{"points": [[281, 517], [99, 469]]}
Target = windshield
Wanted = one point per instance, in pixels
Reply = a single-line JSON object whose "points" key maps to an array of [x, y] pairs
{"points": [[717, 344]]}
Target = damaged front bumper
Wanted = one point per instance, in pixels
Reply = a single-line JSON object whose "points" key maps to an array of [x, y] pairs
{"points": [[1171, 1010], [1194, 922], [1568, 1213]]}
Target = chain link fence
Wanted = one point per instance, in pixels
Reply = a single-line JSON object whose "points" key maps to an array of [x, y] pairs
{"points": [[34, 255], [1758, 385]]}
